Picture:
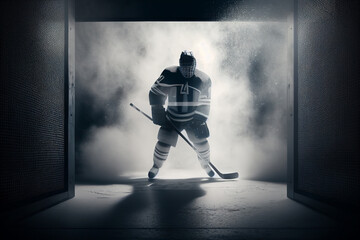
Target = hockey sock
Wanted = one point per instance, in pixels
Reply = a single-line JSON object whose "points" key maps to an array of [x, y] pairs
{"points": [[160, 154], [204, 150]]}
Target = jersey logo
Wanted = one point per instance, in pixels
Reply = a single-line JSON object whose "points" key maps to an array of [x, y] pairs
{"points": [[184, 89]]}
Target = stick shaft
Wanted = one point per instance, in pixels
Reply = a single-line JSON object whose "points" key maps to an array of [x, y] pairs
{"points": [[141, 111]]}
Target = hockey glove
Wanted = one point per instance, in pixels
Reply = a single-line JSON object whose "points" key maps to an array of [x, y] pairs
{"points": [[200, 128], [159, 115]]}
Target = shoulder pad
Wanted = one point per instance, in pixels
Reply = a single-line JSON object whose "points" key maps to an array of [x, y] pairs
{"points": [[171, 69], [203, 76], [168, 74]]}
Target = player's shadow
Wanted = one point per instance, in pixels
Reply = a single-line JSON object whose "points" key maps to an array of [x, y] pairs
{"points": [[160, 203]]}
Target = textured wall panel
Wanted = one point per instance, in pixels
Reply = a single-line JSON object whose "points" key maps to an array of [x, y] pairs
{"points": [[32, 143], [328, 102]]}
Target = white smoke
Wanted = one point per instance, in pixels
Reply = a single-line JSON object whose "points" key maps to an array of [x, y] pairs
{"points": [[116, 63]]}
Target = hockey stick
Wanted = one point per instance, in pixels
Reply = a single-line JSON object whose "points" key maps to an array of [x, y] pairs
{"points": [[222, 175]]}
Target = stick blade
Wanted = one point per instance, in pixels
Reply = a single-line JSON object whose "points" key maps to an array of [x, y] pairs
{"points": [[224, 175], [229, 175]]}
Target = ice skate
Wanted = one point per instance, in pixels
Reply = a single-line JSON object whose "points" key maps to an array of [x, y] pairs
{"points": [[153, 172]]}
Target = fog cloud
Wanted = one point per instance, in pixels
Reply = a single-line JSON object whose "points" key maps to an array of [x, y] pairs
{"points": [[116, 63]]}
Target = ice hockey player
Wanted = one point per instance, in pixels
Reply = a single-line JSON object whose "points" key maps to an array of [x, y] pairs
{"points": [[187, 90]]}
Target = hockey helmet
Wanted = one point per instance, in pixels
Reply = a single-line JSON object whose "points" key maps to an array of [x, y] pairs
{"points": [[187, 64]]}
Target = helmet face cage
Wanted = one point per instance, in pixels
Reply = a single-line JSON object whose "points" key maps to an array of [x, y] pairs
{"points": [[187, 64], [188, 71]]}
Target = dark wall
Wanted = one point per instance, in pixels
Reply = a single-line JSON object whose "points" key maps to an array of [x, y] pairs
{"points": [[33, 143], [327, 132]]}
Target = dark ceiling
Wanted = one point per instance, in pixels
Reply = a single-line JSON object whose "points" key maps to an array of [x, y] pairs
{"points": [[184, 10]]}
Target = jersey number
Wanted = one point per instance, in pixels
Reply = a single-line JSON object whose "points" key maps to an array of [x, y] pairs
{"points": [[185, 89]]}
